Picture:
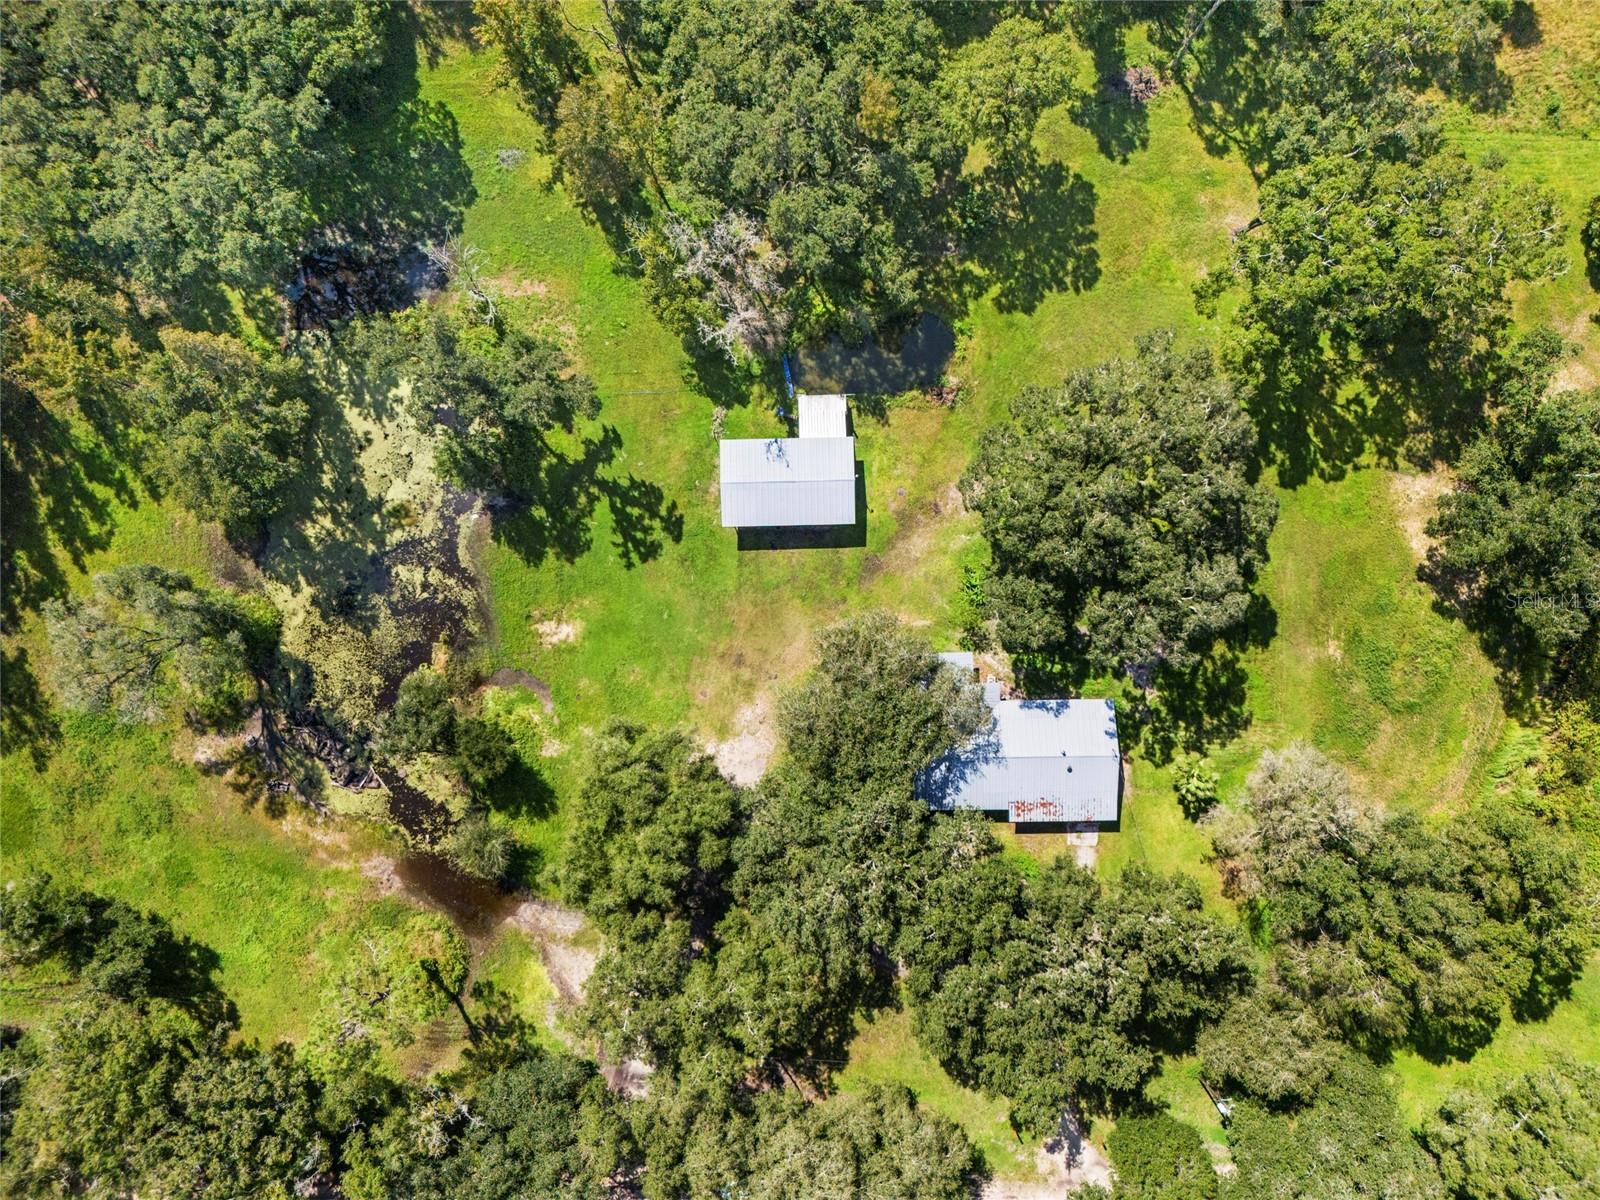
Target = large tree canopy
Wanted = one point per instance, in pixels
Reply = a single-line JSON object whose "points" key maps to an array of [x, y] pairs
{"points": [[542, 1125], [228, 427], [877, 708], [652, 830], [1519, 534], [1159, 1158], [997, 86], [177, 141], [1399, 263], [1534, 1136], [1394, 931], [144, 638], [1352, 1141], [1052, 990], [116, 1097], [819, 121], [1120, 505], [875, 1143]]}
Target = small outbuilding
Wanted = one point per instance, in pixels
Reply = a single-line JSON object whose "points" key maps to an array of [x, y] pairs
{"points": [[823, 417], [802, 482], [1037, 760]]}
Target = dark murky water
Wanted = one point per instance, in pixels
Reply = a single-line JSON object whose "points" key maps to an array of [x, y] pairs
{"points": [[914, 359], [477, 908]]}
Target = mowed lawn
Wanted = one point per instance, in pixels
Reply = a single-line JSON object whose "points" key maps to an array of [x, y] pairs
{"points": [[1571, 1033]]}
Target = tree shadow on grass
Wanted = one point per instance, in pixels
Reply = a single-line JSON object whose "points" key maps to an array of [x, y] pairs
{"points": [[1308, 423], [1230, 96], [521, 791], [437, 25], [1191, 710], [403, 175], [555, 516], [54, 477], [26, 718], [1184, 710], [1045, 240], [1119, 123]]}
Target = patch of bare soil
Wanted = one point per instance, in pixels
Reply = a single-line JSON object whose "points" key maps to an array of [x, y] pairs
{"points": [[744, 756], [919, 529], [1066, 1162], [630, 1078], [553, 633], [1416, 499], [380, 868], [552, 929], [514, 286], [1582, 371]]}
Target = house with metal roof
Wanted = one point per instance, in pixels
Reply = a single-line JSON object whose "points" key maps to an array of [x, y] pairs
{"points": [[1037, 760], [807, 481]]}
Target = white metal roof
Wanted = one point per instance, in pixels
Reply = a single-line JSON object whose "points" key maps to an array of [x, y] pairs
{"points": [[822, 417], [769, 482], [1039, 760]]}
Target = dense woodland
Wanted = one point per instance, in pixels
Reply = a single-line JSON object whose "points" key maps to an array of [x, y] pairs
{"points": [[223, 225]]}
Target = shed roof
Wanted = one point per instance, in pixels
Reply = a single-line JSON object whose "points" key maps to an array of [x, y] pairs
{"points": [[1039, 760], [823, 417], [768, 482]]}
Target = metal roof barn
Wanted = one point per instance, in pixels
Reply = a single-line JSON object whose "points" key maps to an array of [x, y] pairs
{"points": [[1038, 760], [823, 417], [772, 482]]}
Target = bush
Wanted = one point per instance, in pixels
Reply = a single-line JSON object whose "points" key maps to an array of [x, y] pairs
{"points": [[1195, 781], [424, 717], [1159, 1158], [481, 848], [483, 751]]}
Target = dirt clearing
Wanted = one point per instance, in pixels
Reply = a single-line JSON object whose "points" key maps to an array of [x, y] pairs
{"points": [[1416, 500], [745, 755]]}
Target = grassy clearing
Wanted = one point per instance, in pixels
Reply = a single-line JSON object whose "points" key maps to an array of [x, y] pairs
{"points": [[1161, 219], [1551, 58], [1178, 1088], [703, 630], [1571, 1033], [122, 812], [699, 630], [1155, 834], [885, 1051], [1361, 664]]}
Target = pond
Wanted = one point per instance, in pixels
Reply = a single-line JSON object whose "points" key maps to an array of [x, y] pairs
{"points": [[879, 366]]}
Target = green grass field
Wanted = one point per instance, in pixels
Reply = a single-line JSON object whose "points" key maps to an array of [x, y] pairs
{"points": [[886, 1051], [1571, 1032], [121, 811]]}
